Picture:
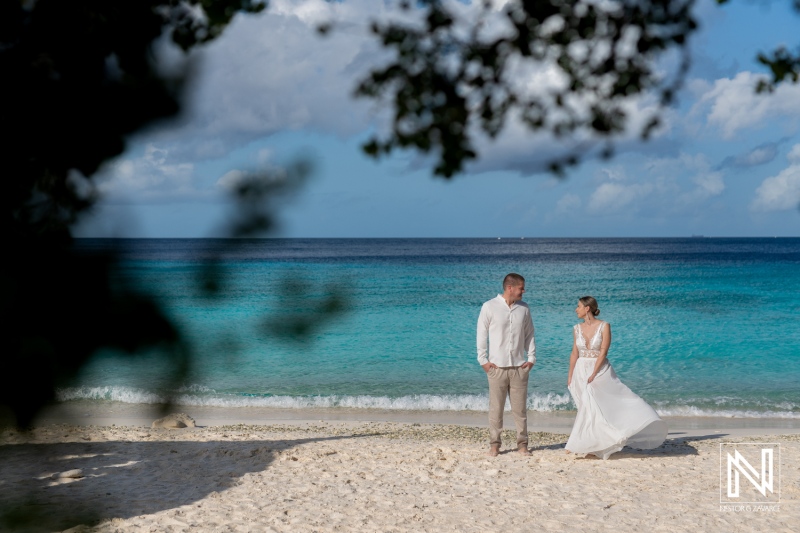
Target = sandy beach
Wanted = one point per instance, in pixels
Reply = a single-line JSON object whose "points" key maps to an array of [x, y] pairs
{"points": [[269, 471]]}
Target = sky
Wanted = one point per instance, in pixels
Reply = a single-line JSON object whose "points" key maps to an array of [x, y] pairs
{"points": [[270, 91]]}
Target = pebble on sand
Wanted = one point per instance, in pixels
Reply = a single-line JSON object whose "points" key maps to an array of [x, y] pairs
{"points": [[175, 421]]}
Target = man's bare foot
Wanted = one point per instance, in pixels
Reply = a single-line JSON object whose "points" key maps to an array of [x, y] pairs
{"points": [[494, 451], [523, 450]]}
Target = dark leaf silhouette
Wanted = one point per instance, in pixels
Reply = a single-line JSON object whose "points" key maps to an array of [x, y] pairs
{"points": [[79, 76], [448, 82]]}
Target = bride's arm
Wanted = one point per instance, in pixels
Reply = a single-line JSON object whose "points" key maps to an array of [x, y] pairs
{"points": [[603, 351], [573, 357]]}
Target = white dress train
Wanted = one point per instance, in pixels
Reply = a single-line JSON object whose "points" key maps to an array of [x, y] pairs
{"points": [[610, 415]]}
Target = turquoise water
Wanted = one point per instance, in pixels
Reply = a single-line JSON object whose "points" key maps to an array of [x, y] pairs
{"points": [[700, 326]]}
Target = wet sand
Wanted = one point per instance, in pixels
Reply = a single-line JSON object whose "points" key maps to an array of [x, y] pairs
{"points": [[122, 414]]}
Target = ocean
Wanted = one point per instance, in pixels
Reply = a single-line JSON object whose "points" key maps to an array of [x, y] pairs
{"points": [[701, 326]]}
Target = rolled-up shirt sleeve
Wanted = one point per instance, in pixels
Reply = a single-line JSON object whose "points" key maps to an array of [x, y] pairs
{"points": [[530, 340], [483, 336]]}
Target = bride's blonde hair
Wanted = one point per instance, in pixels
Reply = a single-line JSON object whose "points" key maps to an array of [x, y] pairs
{"points": [[591, 303]]}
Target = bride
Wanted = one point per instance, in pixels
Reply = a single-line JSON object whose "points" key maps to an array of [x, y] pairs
{"points": [[610, 415]]}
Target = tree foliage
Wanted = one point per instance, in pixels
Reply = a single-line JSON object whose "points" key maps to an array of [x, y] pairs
{"points": [[445, 83], [450, 83], [78, 76]]}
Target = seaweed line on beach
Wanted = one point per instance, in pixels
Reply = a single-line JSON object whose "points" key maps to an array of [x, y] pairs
{"points": [[387, 430], [415, 432]]}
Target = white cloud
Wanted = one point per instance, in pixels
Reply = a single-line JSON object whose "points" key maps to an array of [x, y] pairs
{"points": [[267, 73], [708, 183], [781, 192], [610, 198], [662, 187], [614, 174], [273, 72], [732, 105], [270, 73], [231, 179], [517, 148], [759, 156], [311, 12], [568, 203], [150, 176]]}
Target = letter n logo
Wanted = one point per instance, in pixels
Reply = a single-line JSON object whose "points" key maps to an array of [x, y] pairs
{"points": [[740, 462]]}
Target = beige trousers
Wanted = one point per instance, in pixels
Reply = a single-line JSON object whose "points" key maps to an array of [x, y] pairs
{"points": [[511, 382]]}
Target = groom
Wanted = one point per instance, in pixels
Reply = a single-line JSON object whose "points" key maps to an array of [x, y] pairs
{"points": [[505, 324]]}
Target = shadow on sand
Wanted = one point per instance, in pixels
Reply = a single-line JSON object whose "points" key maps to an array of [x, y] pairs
{"points": [[675, 446], [175, 473]]}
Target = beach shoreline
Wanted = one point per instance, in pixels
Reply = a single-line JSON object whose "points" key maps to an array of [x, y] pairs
{"points": [[141, 415]]}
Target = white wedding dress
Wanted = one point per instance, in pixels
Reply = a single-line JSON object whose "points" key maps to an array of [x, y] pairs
{"points": [[610, 415]]}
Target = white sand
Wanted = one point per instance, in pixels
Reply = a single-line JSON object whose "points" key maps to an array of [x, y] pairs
{"points": [[352, 476]]}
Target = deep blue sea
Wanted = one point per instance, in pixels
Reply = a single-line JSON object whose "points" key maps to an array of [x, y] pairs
{"points": [[701, 326]]}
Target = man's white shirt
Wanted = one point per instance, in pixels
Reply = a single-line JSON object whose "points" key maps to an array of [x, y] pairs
{"points": [[505, 334]]}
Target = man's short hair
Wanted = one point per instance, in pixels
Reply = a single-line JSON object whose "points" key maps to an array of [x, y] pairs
{"points": [[513, 280]]}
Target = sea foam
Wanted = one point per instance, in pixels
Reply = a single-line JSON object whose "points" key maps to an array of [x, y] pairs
{"points": [[203, 396]]}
